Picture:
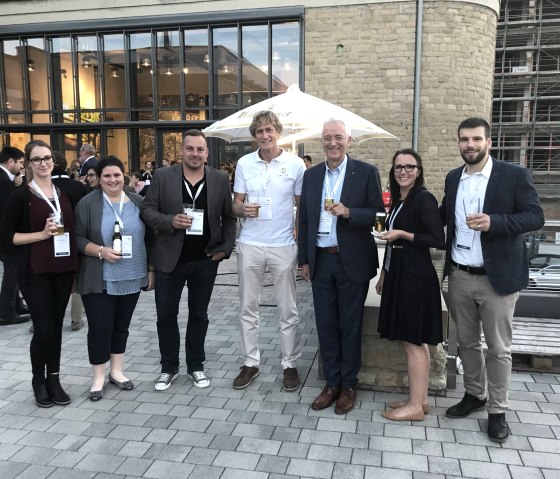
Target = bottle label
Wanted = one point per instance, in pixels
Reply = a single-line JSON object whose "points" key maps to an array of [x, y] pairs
{"points": [[117, 246]]}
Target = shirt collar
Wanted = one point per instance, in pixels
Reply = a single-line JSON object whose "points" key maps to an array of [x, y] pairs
{"points": [[10, 174], [340, 167], [486, 171]]}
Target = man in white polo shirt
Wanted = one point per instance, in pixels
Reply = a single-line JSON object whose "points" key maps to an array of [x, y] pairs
{"points": [[267, 183]]}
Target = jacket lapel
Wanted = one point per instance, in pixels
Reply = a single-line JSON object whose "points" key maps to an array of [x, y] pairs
{"points": [[492, 183], [348, 183]]}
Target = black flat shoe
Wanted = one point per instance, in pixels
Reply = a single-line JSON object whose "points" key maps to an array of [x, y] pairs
{"points": [[468, 404], [125, 385], [498, 429], [42, 396], [96, 395]]}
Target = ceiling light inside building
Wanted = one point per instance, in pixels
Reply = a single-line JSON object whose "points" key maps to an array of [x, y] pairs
{"points": [[168, 71], [63, 73], [146, 63], [115, 72], [31, 65], [87, 62], [186, 70], [206, 58]]}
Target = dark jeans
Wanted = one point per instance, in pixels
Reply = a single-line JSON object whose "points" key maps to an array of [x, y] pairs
{"points": [[108, 321], [199, 277], [339, 312], [47, 295], [8, 293]]}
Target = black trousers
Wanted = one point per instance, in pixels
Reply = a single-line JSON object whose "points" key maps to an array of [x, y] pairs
{"points": [[8, 293], [200, 277], [108, 322], [47, 296], [339, 313]]}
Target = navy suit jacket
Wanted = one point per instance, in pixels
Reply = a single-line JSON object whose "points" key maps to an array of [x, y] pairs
{"points": [[361, 193], [514, 208]]}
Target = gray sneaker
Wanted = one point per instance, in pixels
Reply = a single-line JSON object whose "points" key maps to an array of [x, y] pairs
{"points": [[76, 326], [199, 378], [164, 381]]}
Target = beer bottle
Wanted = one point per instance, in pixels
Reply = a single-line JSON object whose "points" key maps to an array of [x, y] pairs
{"points": [[117, 238]]}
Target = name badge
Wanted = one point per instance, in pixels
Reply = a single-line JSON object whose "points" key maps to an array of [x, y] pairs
{"points": [[265, 212], [126, 247], [325, 223], [465, 238], [197, 225], [61, 245]]}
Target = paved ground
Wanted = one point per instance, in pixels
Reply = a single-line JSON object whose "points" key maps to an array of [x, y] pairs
{"points": [[260, 432]]}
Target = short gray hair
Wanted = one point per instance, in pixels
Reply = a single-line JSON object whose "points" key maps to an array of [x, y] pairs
{"points": [[88, 148], [338, 119]]}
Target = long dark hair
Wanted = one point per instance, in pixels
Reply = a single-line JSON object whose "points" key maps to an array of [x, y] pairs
{"points": [[394, 187]]}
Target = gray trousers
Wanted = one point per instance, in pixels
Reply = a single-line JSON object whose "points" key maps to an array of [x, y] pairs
{"points": [[474, 305]]}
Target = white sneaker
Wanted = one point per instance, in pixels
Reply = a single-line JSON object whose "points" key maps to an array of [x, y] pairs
{"points": [[199, 378], [164, 381]]}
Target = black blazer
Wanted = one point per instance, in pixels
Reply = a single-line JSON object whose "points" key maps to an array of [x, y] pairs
{"points": [[418, 215], [361, 193], [514, 208]]}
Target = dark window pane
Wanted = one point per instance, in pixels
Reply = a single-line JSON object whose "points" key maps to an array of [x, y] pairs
{"points": [[168, 69], [62, 75], [285, 56], [88, 73], [13, 61], [141, 70], [38, 76], [197, 61], [225, 66], [113, 69], [255, 64]]}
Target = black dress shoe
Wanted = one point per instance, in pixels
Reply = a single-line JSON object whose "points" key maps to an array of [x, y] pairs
{"points": [[468, 404], [21, 310], [125, 385], [18, 319], [55, 390], [42, 396], [498, 429], [96, 395]]}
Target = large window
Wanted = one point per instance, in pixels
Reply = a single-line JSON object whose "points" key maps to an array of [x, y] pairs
{"points": [[132, 91]]}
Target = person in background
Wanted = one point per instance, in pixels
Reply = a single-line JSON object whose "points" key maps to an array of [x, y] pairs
{"points": [[308, 161], [110, 280], [92, 180], [12, 309], [414, 226], [86, 159], [75, 190], [39, 223], [127, 186], [149, 173], [137, 183]]}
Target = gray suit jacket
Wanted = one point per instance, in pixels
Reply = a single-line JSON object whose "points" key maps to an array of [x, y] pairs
{"points": [[164, 199]]}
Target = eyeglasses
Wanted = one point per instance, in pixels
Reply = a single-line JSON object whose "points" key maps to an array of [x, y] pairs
{"points": [[407, 168], [328, 139], [37, 161], [91, 175]]}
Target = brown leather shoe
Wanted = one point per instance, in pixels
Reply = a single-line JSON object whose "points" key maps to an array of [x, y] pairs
{"points": [[326, 398], [346, 400], [245, 377], [291, 379]]}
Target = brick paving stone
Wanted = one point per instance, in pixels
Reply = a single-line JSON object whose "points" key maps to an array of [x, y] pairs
{"points": [[166, 469], [332, 453], [189, 438], [129, 433], [35, 455], [271, 419], [357, 441], [427, 475], [531, 430], [483, 470], [198, 455], [167, 452], [338, 425], [273, 464], [377, 472], [134, 466], [9, 470], [239, 474], [134, 449], [206, 472], [41, 439], [538, 418], [504, 456], [326, 438], [540, 459], [371, 428], [520, 472], [239, 460], [444, 465], [259, 446], [366, 457], [550, 474], [40, 424], [404, 431], [102, 445], [473, 437], [225, 443], [100, 463], [427, 448], [67, 459], [465, 451], [253, 430], [36, 472], [286, 433], [294, 449], [394, 444], [348, 471], [399, 460], [310, 468], [190, 424]]}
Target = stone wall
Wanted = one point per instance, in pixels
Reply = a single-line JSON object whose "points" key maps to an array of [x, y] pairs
{"points": [[374, 75]]}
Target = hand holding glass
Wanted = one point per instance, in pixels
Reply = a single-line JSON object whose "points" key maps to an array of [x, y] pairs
{"points": [[252, 205], [57, 217]]}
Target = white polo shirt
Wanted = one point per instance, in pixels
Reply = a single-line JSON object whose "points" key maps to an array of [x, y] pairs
{"points": [[280, 180]]}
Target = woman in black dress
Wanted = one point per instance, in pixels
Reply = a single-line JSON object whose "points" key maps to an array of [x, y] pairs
{"points": [[410, 309]]}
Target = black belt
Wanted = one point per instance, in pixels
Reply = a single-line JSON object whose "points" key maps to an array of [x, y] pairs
{"points": [[329, 249], [480, 270]]}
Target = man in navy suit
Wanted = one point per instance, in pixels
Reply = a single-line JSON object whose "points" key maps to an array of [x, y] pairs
{"points": [[488, 205], [339, 201]]}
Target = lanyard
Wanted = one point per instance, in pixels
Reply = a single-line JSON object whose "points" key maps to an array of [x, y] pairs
{"points": [[189, 191], [56, 206], [121, 204], [394, 215], [330, 193], [265, 178]]}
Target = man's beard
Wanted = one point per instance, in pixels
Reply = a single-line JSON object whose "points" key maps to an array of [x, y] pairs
{"points": [[477, 159]]}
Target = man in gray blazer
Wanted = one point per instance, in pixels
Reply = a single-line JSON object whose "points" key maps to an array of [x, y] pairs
{"points": [[189, 208], [488, 205]]}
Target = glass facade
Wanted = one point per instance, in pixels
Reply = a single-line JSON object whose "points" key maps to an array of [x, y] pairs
{"points": [[132, 92]]}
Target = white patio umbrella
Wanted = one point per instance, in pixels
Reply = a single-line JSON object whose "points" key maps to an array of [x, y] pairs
{"points": [[302, 117]]}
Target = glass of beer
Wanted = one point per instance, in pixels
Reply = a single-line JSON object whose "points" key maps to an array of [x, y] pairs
{"points": [[58, 222], [380, 222], [253, 202]]}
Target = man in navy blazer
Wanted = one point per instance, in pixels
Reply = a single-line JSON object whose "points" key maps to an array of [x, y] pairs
{"points": [[488, 205], [339, 202]]}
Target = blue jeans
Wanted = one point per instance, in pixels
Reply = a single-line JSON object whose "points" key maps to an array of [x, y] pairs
{"points": [[199, 277]]}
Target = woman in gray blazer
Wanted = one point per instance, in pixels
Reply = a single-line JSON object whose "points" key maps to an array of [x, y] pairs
{"points": [[110, 280]]}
